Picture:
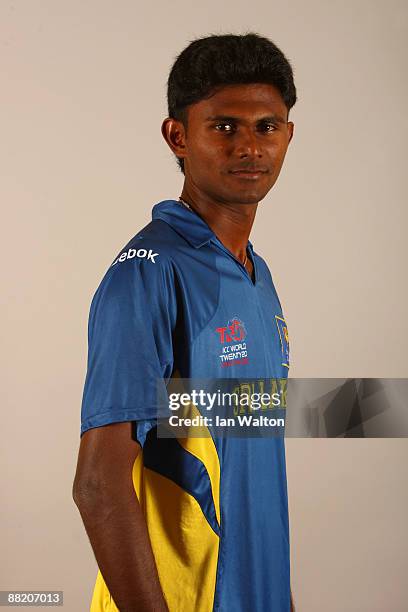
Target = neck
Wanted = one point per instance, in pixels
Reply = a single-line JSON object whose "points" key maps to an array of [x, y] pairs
{"points": [[231, 223]]}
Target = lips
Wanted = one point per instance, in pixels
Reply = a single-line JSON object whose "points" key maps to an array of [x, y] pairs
{"points": [[249, 173], [253, 169]]}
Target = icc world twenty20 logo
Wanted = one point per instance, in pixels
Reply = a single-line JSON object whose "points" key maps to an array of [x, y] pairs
{"points": [[233, 332], [234, 348]]}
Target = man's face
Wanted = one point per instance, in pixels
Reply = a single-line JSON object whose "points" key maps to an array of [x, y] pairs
{"points": [[235, 143]]}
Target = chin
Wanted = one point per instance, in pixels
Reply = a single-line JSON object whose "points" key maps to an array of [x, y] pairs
{"points": [[248, 197], [249, 194]]}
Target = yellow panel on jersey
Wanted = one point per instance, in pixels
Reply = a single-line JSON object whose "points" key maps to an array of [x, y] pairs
{"points": [[184, 545]]}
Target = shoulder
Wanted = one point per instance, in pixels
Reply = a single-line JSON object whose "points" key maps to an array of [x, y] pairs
{"points": [[144, 263], [152, 245]]}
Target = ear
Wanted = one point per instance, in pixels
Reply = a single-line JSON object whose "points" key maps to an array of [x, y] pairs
{"points": [[291, 128], [174, 134]]}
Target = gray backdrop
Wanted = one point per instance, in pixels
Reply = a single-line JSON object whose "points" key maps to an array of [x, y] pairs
{"points": [[82, 163]]}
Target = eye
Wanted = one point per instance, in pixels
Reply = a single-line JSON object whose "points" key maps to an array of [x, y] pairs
{"points": [[268, 127], [224, 127]]}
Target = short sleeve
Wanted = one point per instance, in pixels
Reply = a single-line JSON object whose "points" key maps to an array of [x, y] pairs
{"points": [[130, 352]]}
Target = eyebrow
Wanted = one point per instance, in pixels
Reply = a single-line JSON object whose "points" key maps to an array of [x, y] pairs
{"points": [[269, 118]]}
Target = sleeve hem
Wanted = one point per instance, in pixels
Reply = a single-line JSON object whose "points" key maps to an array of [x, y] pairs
{"points": [[107, 418]]}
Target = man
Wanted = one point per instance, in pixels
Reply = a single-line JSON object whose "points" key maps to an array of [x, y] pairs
{"points": [[193, 524]]}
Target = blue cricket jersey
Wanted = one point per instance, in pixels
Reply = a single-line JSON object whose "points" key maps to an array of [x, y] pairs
{"points": [[177, 302]]}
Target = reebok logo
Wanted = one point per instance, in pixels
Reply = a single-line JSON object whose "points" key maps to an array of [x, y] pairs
{"points": [[131, 253]]}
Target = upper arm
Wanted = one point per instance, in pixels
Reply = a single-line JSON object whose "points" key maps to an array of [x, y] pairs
{"points": [[106, 457]]}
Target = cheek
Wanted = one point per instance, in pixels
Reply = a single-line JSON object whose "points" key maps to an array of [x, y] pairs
{"points": [[205, 155], [198, 149], [278, 155]]}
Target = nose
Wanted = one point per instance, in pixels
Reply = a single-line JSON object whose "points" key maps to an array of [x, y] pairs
{"points": [[248, 145]]}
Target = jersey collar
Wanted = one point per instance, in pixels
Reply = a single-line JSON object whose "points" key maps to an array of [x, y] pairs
{"points": [[185, 222]]}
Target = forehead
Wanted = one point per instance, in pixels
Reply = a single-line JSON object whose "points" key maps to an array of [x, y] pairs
{"points": [[255, 99]]}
